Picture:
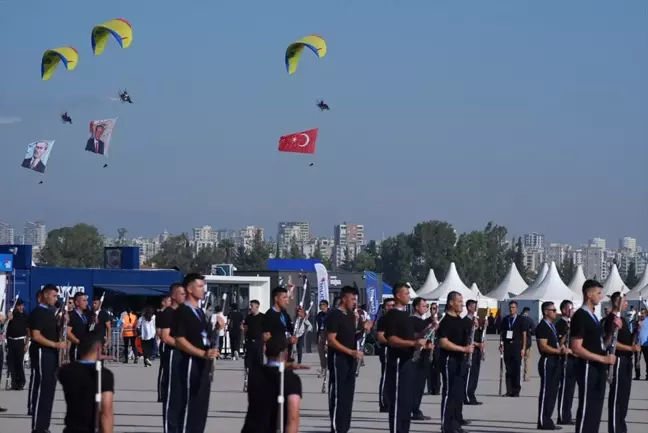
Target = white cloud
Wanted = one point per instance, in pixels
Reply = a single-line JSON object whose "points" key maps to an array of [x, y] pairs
{"points": [[8, 120]]}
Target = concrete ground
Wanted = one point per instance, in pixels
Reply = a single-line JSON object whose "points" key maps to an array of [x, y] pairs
{"points": [[136, 409]]}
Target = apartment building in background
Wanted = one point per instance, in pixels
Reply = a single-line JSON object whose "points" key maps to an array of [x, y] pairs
{"points": [[288, 230], [347, 237], [6, 233]]}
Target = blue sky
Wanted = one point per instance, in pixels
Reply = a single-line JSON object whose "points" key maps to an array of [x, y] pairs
{"points": [[531, 114]]}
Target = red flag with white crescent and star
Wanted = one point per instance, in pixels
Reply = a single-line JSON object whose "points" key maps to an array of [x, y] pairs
{"points": [[299, 142]]}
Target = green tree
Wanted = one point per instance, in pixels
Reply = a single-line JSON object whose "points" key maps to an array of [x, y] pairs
{"points": [[206, 257], [175, 252], [121, 237], [432, 244], [631, 279], [364, 262], [259, 253], [519, 259], [347, 262], [316, 254], [567, 269], [227, 245], [79, 246], [471, 257], [328, 262], [295, 251], [397, 258], [242, 259]]}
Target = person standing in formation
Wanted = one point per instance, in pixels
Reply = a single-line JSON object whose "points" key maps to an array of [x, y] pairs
{"points": [[264, 389], [43, 353], [79, 382], [474, 368], [567, 367], [530, 326], [636, 328], [513, 345], [146, 329], [434, 379], [304, 328], [252, 325], [549, 365], [234, 323], [321, 334], [342, 358], [619, 396], [189, 384], [39, 301], [642, 329], [454, 335], [401, 343], [422, 364], [219, 317], [129, 324], [164, 321], [588, 344], [388, 304], [17, 343], [102, 322], [78, 323], [276, 321]]}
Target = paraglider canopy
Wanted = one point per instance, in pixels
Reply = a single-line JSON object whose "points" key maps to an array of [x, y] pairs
{"points": [[293, 53], [51, 58], [119, 28]]}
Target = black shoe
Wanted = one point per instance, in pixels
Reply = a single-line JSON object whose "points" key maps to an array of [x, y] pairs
{"points": [[464, 422], [473, 403], [420, 417], [570, 422], [384, 410], [2, 409], [550, 427]]}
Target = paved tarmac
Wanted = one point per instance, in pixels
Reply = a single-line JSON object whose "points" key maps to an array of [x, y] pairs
{"points": [[136, 409]]}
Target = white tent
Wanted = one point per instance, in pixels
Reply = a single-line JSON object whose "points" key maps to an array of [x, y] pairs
{"points": [[552, 288], [482, 300], [429, 286], [638, 295], [643, 282], [614, 283], [512, 285], [576, 283], [452, 283], [541, 276]]}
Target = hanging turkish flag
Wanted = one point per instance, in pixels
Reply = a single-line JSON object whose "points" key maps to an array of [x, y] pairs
{"points": [[299, 142]]}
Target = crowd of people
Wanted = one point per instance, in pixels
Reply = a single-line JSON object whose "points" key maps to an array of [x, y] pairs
{"points": [[443, 351]]}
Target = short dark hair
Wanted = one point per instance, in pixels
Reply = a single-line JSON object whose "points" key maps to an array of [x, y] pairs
{"points": [[525, 309], [190, 278], [255, 302], [513, 303], [233, 306], [363, 307], [323, 302], [452, 296], [470, 302], [20, 302], [78, 295], [589, 285], [218, 309], [386, 300], [417, 301], [398, 287], [274, 347], [278, 290], [89, 342], [614, 298], [49, 287], [349, 290], [564, 304], [175, 286], [545, 306]]}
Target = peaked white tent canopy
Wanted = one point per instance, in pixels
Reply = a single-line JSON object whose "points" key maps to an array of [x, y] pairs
{"points": [[541, 276], [482, 300], [576, 283], [642, 284], [614, 283], [429, 286], [638, 295], [452, 283], [512, 285]]}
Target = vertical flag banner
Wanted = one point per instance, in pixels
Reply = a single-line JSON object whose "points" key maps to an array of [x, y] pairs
{"points": [[322, 283], [100, 135], [37, 155], [371, 293]]}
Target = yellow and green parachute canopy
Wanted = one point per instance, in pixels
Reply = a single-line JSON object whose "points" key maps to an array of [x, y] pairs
{"points": [[119, 28], [51, 58], [293, 53]]}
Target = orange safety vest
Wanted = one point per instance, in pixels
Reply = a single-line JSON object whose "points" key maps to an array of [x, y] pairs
{"points": [[128, 329]]}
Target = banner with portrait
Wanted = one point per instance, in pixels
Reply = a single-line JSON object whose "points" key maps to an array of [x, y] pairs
{"points": [[100, 136], [37, 155]]}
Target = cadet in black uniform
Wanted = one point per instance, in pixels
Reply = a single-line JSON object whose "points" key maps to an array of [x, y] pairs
{"points": [[342, 358], [399, 371], [189, 387], [422, 364], [102, 321], [320, 329], [619, 397], [263, 409], [44, 358], [39, 300], [276, 322], [549, 365], [78, 323], [480, 348], [588, 344], [252, 326], [163, 322], [513, 345], [234, 321], [388, 304], [567, 367], [434, 379], [17, 341], [454, 334], [79, 382]]}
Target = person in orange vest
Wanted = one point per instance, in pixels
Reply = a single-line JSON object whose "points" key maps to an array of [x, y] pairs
{"points": [[129, 325]]}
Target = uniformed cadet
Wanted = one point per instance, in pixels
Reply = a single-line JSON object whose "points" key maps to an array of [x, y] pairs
{"points": [[252, 328], [44, 358], [189, 384], [422, 364], [454, 334], [264, 387], [276, 321], [342, 358], [513, 345], [234, 323], [39, 300], [388, 304], [320, 328], [434, 379], [567, 367], [549, 365], [79, 382], [17, 342], [102, 322], [163, 321], [619, 396], [588, 344], [78, 323], [472, 379], [401, 343]]}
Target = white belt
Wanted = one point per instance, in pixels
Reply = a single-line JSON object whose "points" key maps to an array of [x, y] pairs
{"points": [[16, 338]]}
